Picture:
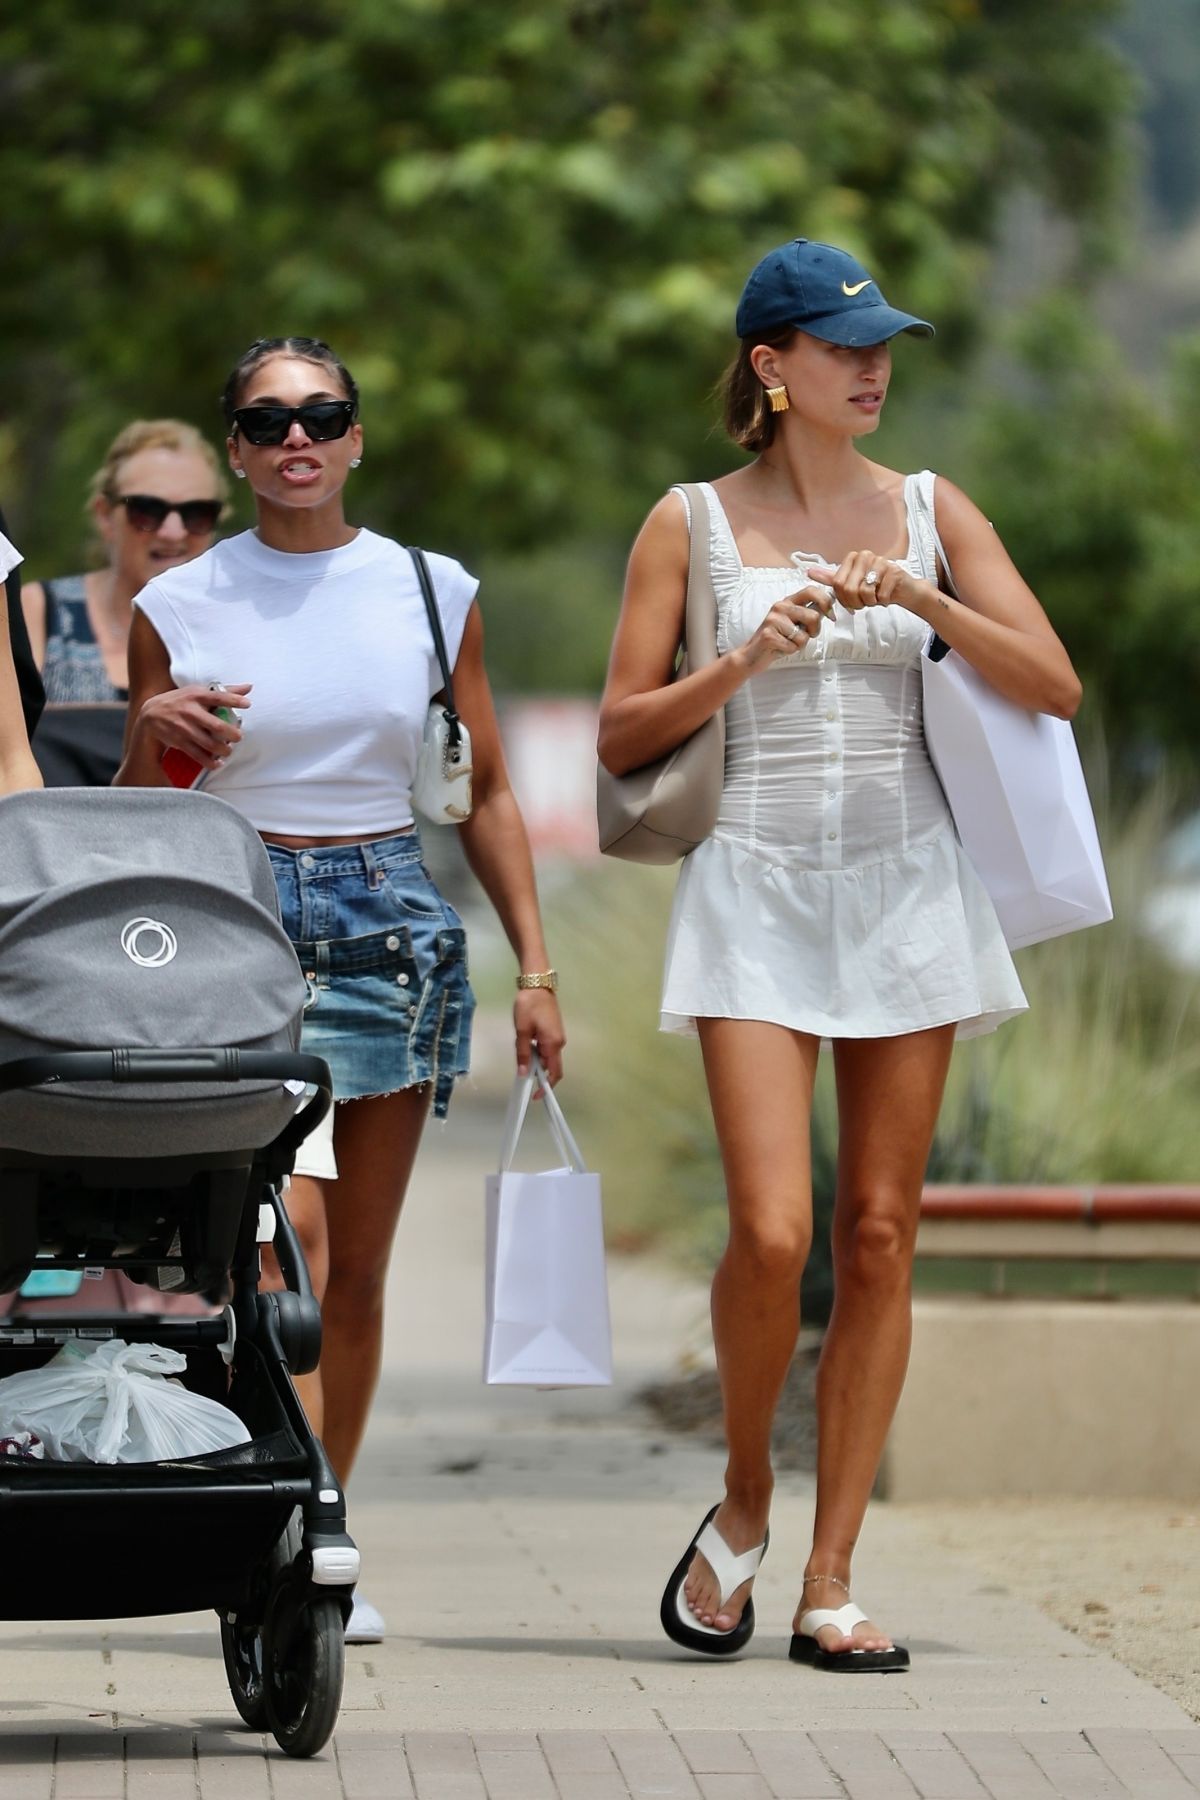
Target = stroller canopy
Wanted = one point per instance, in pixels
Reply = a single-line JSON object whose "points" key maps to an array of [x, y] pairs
{"points": [[139, 918]]}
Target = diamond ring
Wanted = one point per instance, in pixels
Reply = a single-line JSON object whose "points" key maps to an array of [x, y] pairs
{"points": [[871, 578]]}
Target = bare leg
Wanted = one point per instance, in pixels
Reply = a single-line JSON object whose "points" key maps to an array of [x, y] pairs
{"points": [[305, 1202], [376, 1144], [889, 1093], [345, 1229], [760, 1080]]}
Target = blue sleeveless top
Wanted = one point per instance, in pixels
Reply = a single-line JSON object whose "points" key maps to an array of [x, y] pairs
{"points": [[74, 668]]}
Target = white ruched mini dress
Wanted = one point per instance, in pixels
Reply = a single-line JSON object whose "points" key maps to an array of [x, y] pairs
{"points": [[833, 895]]}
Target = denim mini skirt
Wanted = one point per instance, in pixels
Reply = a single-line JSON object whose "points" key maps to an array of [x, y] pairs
{"points": [[385, 959]]}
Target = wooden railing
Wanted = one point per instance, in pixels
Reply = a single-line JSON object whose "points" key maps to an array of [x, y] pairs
{"points": [[1112, 1222]]}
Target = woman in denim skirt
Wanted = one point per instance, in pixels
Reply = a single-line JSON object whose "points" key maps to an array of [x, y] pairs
{"points": [[294, 664]]}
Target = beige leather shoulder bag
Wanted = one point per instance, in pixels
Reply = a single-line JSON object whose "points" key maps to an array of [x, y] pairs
{"points": [[658, 813]]}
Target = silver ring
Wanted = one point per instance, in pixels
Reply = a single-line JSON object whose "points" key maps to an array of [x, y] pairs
{"points": [[794, 630], [871, 578]]}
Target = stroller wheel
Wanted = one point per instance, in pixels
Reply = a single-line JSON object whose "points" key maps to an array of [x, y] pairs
{"points": [[242, 1648], [304, 1665], [242, 1636]]}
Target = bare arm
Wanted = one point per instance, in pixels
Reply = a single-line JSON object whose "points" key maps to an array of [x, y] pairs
{"points": [[162, 715], [17, 767], [497, 850], [33, 605], [997, 623], [644, 713]]}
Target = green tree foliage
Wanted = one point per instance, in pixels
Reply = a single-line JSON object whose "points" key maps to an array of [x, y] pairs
{"points": [[1092, 483], [524, 225]]}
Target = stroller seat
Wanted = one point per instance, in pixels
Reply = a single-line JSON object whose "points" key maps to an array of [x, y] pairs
{"points": [[132, 921]]}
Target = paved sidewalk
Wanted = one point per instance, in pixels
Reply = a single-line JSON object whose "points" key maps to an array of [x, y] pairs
{"points": [[517, 1543]]}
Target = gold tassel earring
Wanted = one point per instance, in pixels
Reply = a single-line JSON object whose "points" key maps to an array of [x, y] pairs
{"points": [[778, 396]]}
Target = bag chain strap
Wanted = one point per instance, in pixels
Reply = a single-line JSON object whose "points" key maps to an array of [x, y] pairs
{"points": [[425, 581]]}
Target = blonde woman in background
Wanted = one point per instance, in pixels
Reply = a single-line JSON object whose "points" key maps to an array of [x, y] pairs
{"points": [[155, 502]]}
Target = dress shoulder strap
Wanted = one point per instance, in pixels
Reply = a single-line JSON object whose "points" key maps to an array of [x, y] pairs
{"points": [[725, 564], [919, 495]]}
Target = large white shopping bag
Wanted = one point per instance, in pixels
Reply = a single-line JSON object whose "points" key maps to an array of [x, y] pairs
{"points": [[546, 1287], [1020, 803]]}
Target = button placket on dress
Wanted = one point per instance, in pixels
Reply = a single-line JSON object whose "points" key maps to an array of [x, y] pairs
{"points": [[829, 703], [833, 773]]}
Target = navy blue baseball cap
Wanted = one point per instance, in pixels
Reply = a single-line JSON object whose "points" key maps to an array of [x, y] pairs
{"points": [[823, 291]]}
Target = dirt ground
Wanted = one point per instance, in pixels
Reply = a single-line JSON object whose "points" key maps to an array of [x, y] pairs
{"points": [[1123, 1574]]}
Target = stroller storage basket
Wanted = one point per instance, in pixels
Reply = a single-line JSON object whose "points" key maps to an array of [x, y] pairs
{"points": [[135, 1538]]}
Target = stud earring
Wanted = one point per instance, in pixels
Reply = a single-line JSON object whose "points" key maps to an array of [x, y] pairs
{"points": [[778, 396], [240, 473], [355, 461]]}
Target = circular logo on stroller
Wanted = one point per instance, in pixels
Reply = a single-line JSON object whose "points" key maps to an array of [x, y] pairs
{"points": [[149, 943]]}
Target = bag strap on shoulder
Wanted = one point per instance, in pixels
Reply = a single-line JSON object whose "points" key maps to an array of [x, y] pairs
{"points": [[936, 647], [924, 486], [700, 613], [433, 611]]}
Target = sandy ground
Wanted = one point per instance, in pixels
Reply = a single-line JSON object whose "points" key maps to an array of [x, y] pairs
{"points": [[1124, 1575]]}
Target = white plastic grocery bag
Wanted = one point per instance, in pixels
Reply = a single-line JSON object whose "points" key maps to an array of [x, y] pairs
{"points": [[546, 1287], [1020, 803], [113, 1403]]}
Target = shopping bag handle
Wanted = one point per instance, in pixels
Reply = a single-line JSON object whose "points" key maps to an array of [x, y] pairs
{"points": [[935, 647], [518, 1106]]}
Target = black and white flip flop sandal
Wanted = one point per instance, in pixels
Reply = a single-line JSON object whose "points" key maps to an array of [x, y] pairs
{"points": [[731, 1571], [804, 1647]]}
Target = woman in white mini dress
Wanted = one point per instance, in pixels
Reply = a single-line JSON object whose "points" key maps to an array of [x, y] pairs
{"points": [[833, 900]]}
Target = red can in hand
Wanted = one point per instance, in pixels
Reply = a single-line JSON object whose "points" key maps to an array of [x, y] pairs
{"points": [[182, 770]]}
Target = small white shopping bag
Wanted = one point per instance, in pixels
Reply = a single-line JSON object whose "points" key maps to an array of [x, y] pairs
{"points": [[547, 1321], [1020, 803]]}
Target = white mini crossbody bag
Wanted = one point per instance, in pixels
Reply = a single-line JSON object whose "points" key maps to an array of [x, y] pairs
{"points": [[442, 782]]}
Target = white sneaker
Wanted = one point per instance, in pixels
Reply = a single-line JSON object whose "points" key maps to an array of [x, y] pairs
{"points": [[365, 1624]]}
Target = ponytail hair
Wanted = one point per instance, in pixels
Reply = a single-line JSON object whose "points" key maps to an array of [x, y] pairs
{"points": [[747, 413]]}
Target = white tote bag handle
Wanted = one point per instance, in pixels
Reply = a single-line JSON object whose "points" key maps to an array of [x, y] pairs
{"points": [[514, 1119]]}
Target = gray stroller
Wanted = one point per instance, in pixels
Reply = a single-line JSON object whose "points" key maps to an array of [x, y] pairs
{"points": [[150, 1110]]}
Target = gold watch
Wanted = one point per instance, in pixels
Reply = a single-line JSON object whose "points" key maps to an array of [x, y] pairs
{"points": [[546, 978]]}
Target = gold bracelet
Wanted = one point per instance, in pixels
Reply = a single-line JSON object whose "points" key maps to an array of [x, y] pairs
{"points": [[548, 978]]}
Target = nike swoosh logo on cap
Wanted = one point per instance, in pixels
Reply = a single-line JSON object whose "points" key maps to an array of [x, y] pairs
{"points": [[851, 291]]}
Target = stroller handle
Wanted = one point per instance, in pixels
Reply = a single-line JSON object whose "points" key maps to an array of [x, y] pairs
{"points": [[223, 1063], [218, 1064]]}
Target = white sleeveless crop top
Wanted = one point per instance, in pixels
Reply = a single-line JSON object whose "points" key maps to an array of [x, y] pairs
{"points": [[338, 646]]}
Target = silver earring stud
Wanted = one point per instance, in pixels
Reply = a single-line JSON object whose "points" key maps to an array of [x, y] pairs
{"points": [[355, 461], [240, 473]]}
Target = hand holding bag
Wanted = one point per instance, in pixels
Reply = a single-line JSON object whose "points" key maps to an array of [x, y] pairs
{"points": [[657, 813], [546, 1287], [1016, 789], [442, 782]]}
